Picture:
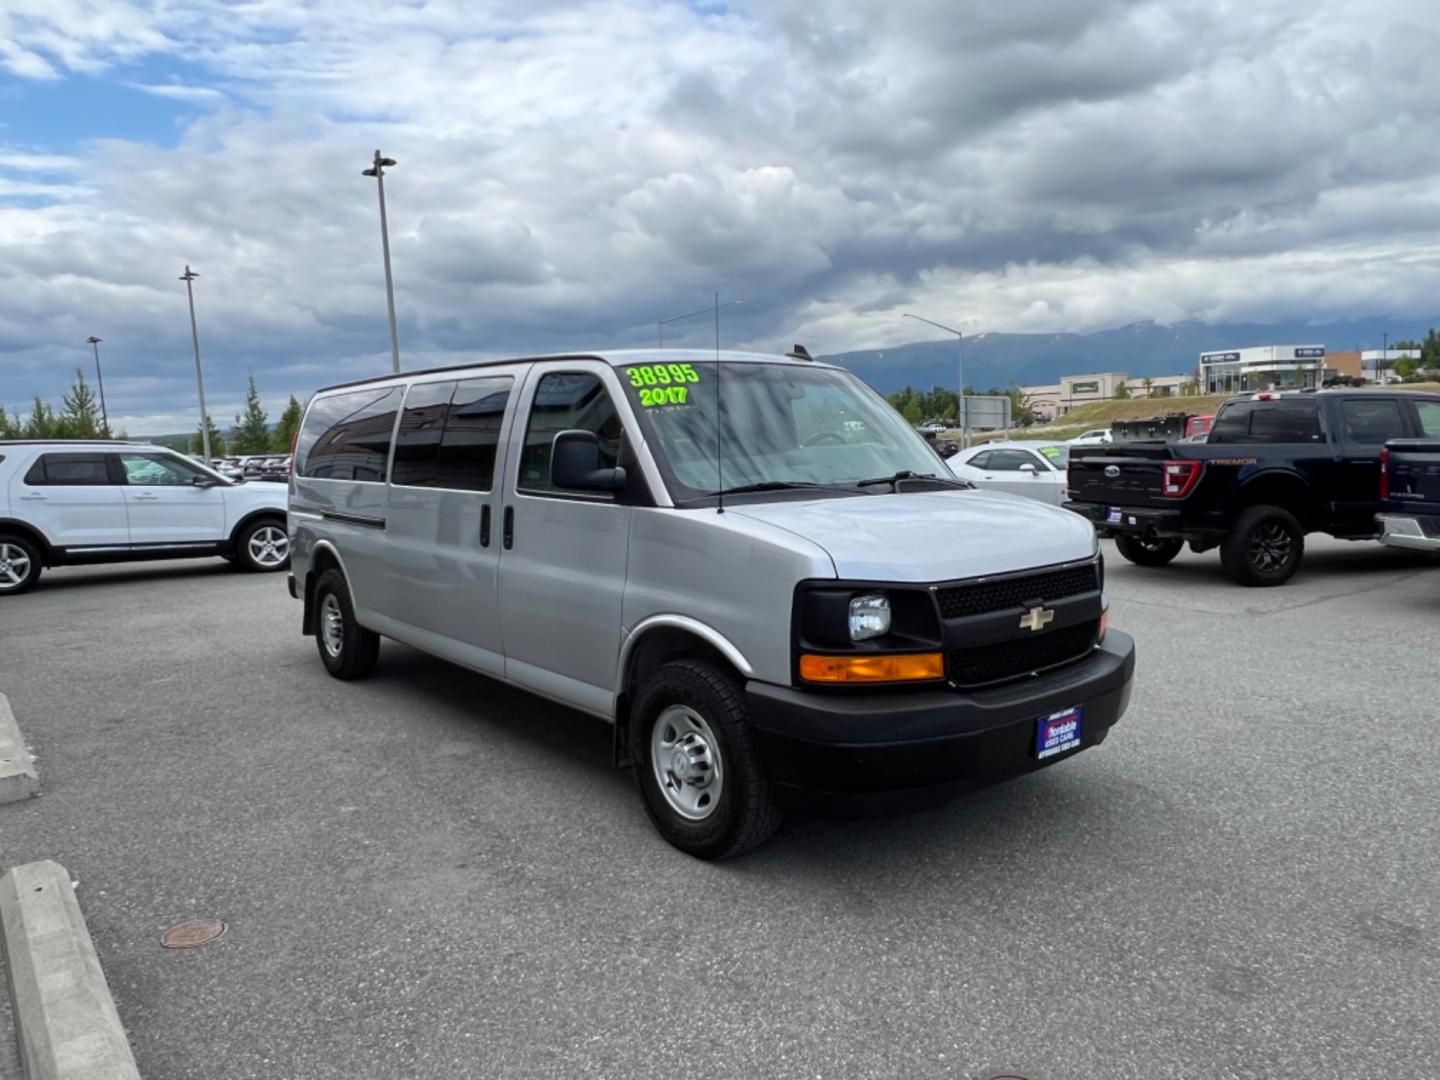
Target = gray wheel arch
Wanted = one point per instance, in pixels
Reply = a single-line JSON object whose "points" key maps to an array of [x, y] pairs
{"points": [[658, 640]]}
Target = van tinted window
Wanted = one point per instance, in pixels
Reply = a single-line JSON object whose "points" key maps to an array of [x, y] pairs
{"points": [[1284, 420], [472, 433], [65, 470], [417, 444], [347, 437], [566, 401]]}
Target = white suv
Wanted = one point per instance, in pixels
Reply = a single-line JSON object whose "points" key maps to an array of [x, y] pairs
{"points": [[64, 503]]}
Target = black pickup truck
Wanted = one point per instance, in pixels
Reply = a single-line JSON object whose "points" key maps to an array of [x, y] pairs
{"points": [[1410, 487], [1275, 467]]}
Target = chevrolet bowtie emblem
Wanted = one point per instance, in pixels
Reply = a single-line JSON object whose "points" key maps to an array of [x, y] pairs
{"points": [[1037, 618]]}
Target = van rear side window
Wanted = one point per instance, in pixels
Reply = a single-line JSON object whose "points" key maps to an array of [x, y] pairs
{"points": [[347, 437], [449, 433]]}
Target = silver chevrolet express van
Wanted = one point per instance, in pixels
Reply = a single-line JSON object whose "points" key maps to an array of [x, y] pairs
{"points": [[750, 565]]}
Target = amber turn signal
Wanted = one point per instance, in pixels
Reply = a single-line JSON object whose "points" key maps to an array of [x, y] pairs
{"points": [[1104, 624], [872, 668]]}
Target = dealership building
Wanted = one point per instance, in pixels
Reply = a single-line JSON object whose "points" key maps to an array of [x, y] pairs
{"points": [[1261, 367]]}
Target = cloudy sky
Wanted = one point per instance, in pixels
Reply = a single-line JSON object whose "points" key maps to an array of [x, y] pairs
{"points": [[570, 172]]}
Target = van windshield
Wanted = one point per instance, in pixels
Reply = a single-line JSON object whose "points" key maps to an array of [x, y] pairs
{"points": [[783, 425]]}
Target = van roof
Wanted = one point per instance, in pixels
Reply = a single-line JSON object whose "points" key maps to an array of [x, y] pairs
{"points": [[613, 357]]}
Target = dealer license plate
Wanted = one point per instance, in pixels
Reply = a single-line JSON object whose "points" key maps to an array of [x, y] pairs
{"points": [[1058, 732]]}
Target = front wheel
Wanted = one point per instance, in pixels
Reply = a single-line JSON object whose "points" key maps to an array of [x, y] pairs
{"points": [[696, 762], [263, 546], [19, 565], [1149, 550], [1264, 547]]}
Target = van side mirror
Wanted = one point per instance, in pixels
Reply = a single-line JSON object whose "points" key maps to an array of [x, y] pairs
{"points": [[575, 464], [1027, 468], [204, 482]]}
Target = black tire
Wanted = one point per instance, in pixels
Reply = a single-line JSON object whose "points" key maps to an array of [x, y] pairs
{"points": [[1264, 547], [744, 814], [1149, 551], [262, 547], [19, 564], [352, 651]]}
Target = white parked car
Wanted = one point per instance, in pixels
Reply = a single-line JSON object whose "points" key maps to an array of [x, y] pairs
{"points": [[1097, 437], [64, 503], [1033, 469]]}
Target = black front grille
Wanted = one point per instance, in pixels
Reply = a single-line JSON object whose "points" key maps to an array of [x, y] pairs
{"points": [[981, 597], [1009, 659]]}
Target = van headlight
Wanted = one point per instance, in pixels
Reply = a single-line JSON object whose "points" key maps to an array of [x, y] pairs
{"points": [[869, 617]]}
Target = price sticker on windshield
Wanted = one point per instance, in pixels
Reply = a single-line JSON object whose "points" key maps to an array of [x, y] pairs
{"points": [[662, 384]]}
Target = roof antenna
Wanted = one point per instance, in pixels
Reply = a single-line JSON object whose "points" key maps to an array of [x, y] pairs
{"points": [[719, 429], [799, 352]]}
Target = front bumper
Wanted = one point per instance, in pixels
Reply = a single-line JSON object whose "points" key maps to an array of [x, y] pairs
{"points": [[1419, 533], [932, 744], [1130, 521]]}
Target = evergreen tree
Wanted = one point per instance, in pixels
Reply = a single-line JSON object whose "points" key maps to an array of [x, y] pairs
{"points": [[41, 423], [287, 427], [251, 433], [1122, 392], [217, 441], [912, 412], [1430, 350], [80, 418], [9, 428]]}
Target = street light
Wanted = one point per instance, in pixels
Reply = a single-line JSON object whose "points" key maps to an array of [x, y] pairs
{"points": [[377, 170], [660, 324], [964, 416], [188, 277], [1385, 359], [104, 416]]}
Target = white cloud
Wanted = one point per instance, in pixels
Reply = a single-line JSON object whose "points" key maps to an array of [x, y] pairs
{"points": [[179, 92]]}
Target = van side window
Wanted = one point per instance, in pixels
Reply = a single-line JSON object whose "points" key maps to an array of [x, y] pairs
{"points": [[472, 434], [417, 443], [567, 401], [347, 437], [68, 470]]}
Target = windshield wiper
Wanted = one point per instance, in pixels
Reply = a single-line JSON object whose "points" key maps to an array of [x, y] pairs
{"points": [[766, 485], [908, 474]]}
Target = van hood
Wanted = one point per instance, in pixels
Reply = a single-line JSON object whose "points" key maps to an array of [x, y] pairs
{"points": [[931, 536]]}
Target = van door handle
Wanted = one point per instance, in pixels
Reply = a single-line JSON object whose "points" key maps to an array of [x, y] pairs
{"points": [[509, 534], [485, 525], [146, 497], [34, 496]]}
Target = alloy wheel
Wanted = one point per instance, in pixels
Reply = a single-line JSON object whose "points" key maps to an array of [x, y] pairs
{"points": [[14, 566]]}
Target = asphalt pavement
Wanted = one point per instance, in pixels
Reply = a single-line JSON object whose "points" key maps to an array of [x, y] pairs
{"points": [[427, 874]]}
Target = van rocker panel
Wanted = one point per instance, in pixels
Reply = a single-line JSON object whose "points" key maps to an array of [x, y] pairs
{"points": [[842, 743]]}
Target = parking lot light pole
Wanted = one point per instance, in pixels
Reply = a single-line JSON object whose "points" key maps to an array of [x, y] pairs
{"points": [[377, 170], [661, 323], [100, 379], [188, 277], [963, 417]]}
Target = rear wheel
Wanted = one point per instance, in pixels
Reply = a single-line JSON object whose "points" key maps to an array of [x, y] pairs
{"points": [[263, 546], [696, 762], [347, 649], [1264, 547], [1149, 550], [19, 564]]}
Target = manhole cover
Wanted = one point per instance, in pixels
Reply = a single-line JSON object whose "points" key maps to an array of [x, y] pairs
{"points": [[192, 934]]}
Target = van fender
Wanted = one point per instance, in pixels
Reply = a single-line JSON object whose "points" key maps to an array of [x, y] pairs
{"points": [[307, 619], [644, 630], [708, 634]]}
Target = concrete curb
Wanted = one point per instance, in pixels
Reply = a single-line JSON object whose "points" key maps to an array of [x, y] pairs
{"points": [[18, 778], [65, 1019]]}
